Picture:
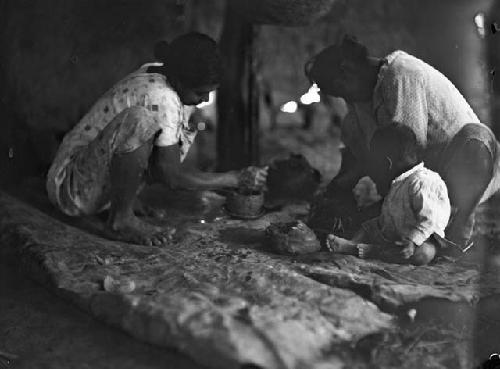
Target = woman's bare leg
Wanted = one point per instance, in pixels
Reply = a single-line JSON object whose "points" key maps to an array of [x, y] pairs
{"points": [[127, 173]]}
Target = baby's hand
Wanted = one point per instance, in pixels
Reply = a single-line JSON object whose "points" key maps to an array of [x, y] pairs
{"points": [[408, 249], [365, 192], [261, 177]]}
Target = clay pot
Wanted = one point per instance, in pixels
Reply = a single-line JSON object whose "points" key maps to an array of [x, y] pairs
{"points": [[292, 238], [245, 204]]}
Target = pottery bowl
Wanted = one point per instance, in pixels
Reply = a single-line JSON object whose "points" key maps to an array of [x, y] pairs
{"points": [[246, 204]]}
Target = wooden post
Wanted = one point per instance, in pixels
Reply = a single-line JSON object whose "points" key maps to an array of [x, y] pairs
{"points": [[237, 100], [493, 45]]}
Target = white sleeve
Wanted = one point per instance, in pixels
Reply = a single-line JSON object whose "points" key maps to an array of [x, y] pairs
{"points": [[171, 118], [431, 210]]}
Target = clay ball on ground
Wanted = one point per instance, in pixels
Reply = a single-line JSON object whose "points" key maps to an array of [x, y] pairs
{"points": [[292, 238]]}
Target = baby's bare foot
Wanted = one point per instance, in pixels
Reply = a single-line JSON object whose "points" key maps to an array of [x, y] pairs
{"points": [[340, 245]]}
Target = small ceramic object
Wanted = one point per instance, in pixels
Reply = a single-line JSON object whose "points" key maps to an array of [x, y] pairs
{"points": [[245, 204], [122, 285], [292, 238]]}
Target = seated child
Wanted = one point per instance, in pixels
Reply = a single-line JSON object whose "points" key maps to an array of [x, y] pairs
{"points": [[415, 208]]}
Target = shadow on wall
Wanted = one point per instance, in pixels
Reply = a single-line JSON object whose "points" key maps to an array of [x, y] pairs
{"points": [[59, 56]]}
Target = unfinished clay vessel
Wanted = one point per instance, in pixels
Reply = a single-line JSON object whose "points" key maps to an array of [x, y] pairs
{"points": [[292, 238], [245, 204], [248, 180]]}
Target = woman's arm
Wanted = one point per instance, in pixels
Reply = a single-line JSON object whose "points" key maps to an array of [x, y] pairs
{"points": [[168, 169]]}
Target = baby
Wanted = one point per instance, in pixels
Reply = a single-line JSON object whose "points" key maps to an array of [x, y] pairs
{"points": [[415, 208]]}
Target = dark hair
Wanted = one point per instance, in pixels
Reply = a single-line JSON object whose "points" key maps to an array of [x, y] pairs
{"points": [[191, 59], [328, 62], [397, 142]]}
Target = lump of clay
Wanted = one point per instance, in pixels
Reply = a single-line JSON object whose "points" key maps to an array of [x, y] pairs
{"points": [[292, 238], [247, 181]]}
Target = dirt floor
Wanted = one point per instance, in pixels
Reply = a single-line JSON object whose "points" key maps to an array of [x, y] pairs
{"points": [[49, 333]]}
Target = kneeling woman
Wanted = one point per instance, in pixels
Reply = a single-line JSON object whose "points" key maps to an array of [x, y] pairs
{"points": [[137, 128], [415, 211]]}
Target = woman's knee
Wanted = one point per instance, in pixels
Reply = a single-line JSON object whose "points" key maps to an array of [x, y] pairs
{"points": [[423, 254], [140, 118], [137, 127], [469, 174], [477, 158]]}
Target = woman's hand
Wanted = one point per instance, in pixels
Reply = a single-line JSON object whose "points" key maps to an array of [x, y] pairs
{"points": [[252, 178]]}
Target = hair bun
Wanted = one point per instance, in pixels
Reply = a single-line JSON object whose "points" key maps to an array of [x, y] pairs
{"points": [[161, 50]]}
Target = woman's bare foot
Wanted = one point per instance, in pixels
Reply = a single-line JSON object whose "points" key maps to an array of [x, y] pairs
{"points": [[143, 209], [132, 229], [340, 245]]}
